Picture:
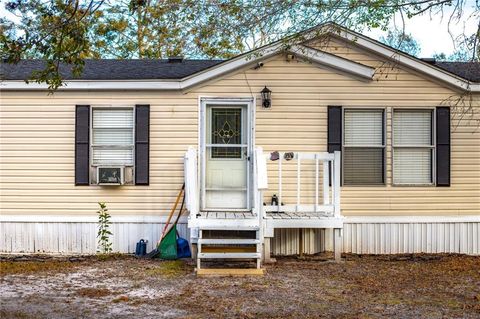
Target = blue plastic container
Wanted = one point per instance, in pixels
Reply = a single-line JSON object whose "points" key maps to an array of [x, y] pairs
{"points": [[141, 248], [183, 248]]}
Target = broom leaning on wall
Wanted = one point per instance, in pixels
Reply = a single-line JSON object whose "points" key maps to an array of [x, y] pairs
{"points": [[169, 247]]}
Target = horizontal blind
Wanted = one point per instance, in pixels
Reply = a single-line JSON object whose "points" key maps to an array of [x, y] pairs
{"points": [[363, 127], [363, 152], [112, 156], [412, 166], [412, 128], [113, 118], [112, 136], [363, 166]]}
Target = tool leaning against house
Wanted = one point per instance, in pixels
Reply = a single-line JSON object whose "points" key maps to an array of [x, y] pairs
{"points": [[170, 245]]}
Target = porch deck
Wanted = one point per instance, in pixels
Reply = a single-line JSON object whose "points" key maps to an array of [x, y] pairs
{"points": [[321, 212], [277, 219], [226, 215]]}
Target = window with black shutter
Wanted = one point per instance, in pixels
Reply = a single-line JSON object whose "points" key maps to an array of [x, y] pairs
{"points": [[112, 140]]}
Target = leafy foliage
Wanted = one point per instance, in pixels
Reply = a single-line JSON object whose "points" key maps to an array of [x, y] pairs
{"points": [[56, 31], [402, 41], [104, 233]]}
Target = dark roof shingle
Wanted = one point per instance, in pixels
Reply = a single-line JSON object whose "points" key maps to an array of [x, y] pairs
{"points": [[467, 70], [149, 69], [144, 69]]}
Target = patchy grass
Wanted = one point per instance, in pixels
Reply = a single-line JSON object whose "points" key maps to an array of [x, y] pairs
{"points": [[406, 286], [170, 269], [111, 256], [93, 292], [121, 299], [29, 267], [14, 314]]}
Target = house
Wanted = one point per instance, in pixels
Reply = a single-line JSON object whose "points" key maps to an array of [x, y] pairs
{"points": [[335, 143]]}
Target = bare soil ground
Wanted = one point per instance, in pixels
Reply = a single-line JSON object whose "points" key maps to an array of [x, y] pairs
{"points": [[413, 286]]}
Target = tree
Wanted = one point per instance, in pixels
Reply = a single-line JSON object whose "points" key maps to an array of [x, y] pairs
{"points": [[402, 41], [467, 49], [68, 31]]}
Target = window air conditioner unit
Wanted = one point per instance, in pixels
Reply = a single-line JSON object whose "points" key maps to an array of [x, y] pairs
{"points": [[111, 175]]}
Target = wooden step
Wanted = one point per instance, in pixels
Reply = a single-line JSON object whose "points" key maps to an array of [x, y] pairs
{"points": [[228, 241], [228, 249], [218, 272], [229, 255], [228, 227]]}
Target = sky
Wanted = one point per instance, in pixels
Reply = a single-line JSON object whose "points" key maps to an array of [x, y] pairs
{"points": [[431, 32]]}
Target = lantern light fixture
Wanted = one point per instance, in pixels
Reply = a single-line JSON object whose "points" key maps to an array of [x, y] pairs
{"points": [[266, 97]]}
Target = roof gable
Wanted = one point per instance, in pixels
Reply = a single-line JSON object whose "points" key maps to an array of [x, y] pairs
{"points": [[162, 75]]}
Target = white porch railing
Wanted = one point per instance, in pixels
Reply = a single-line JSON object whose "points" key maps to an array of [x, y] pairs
{"points": [[326, 191], [326, 199]]}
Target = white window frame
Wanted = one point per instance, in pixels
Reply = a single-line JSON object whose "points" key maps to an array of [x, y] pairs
{"points": [[432, 147], [384, 144], [93, 146]]}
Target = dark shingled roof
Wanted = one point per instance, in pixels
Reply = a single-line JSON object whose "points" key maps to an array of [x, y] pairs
{"points": [[143, 69], [467, 70]]}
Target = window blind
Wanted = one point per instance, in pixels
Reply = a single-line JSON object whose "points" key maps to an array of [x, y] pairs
{"points": [[363, 154], [412, 147], [363, 166], [412, 128], [112, 137], [412, 166], [363, 128]]}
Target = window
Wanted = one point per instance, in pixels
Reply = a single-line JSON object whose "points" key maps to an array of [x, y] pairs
{"points": [[413, 147], [226, 129], [363, 147], [112, 137]]}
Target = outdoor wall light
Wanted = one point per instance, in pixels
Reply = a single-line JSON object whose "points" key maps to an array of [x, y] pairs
{"points": [[266, 98]]}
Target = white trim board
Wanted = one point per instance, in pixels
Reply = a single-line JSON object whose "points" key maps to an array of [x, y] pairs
{"points": [[411, 219], [333, 61], [183, 219], [86, 219]]}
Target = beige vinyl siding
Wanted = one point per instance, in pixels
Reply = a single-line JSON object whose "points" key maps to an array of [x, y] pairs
{"points": [[37, 141]]}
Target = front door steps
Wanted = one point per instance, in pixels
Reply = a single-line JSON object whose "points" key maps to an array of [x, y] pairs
{"points": [[230, 245]]}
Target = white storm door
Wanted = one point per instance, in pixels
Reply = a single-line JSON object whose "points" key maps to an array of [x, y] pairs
{"points": [[226, 155]]}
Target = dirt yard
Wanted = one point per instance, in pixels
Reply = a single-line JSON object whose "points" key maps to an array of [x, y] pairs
{"points": [[414, 286]]}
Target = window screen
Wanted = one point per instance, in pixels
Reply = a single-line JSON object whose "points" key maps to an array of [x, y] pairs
{"points": [[112, 137], [363, 147], [413, 147]]}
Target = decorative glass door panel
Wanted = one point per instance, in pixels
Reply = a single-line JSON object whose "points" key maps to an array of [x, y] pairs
{"points": [[226, 157]]}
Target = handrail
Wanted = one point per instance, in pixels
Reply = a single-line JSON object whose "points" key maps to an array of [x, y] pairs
{"points": [[330, 197], [191, 182]]}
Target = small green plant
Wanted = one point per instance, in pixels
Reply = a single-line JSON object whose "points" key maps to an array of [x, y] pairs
{"points": [[104, 233]]}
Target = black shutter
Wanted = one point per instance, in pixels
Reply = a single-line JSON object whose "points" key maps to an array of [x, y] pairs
{"points": [[443, 146], [82, 137], [142, 145], [334, 129]]}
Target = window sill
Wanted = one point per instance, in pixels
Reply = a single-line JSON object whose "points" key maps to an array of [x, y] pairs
{"points": [[413, 185]]}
